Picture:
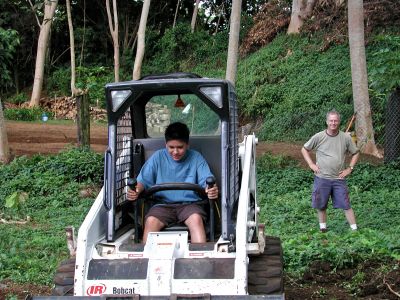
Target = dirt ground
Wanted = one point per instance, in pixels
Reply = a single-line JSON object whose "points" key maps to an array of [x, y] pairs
{"points": [[33, 138], [318, 283]]}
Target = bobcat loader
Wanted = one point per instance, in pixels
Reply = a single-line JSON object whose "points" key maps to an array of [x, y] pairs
{"points": [[238, 261]]}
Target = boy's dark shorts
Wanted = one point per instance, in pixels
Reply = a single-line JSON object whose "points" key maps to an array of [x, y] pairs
{"points": [[170, 214], [324, 188]]}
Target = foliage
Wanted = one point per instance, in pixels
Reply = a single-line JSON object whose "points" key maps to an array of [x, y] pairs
{"points": [[26, 114], [286, 208], [93, 79], [18, 98], [269, 161], [9, 41], [291, 84], [180, 50], [384, 71], [50, 189]]}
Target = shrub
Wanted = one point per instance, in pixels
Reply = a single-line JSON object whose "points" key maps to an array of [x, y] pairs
{"points": [[93, 79], [26, 114]]}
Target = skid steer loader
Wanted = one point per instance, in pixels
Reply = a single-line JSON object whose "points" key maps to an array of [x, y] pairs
{"points": [[238, 260]]}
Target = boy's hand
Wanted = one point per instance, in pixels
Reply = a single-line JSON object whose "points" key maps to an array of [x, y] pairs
{"points": [[212, 193]]}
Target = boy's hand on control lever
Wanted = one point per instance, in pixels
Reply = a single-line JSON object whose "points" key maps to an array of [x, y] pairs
{"points": [[134, 189], [211, 188]]}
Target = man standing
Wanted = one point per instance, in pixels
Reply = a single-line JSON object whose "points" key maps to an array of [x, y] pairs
{"points": [[175, 163], [331, 146]]}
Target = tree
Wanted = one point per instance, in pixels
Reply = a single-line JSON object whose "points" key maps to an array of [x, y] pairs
{"points": [[49, 10], [194, 16], [176, 13], [72, 48], [141, 41], [364, 128], [233, 47], [301, 10], [4, 148], [113, 25]]}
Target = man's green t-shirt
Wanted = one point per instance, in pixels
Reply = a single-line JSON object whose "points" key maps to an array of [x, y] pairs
{"points": [[331, 152]]}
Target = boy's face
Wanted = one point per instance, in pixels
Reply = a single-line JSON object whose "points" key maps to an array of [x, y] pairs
{"points": [[177, 149]]}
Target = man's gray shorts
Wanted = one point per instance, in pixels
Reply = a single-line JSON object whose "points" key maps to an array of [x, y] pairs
{"points": [[324, 188]]}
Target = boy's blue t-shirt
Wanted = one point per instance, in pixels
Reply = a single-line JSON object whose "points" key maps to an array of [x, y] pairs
{"points": [[161, 168]]}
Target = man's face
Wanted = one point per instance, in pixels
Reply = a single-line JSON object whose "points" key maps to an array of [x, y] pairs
{"points": [[177, 149], [333, 122]]}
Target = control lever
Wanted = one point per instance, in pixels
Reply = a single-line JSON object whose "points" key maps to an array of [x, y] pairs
{"points": [[210, 181], [132, 182]]}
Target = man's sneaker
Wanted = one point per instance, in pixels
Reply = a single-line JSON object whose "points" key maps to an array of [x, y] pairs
{"points": [[323, 230]]}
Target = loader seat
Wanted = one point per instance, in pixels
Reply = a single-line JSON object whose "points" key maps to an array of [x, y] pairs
{"points": [[210, 148]]}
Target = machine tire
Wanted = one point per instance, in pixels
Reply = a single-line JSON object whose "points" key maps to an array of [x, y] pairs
{"points": [[265, 271], [64, 278]]}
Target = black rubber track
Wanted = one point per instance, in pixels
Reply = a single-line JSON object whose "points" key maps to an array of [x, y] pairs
{"points": [[64, 278], [265, 271]]}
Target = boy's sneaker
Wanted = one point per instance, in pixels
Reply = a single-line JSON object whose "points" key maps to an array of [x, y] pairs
{"points": [[323, 230]]}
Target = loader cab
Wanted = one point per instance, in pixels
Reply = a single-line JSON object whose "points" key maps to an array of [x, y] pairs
{"points": [[138, 113]]}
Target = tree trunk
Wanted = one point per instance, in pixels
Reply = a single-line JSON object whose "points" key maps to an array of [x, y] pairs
{"points": [[141, 40], [233, 48], [194, 16], [83, 121], [49, 9], [72, 47], [5, 156], [301, 10], [176, 13], [364, 128], [114, 34]]}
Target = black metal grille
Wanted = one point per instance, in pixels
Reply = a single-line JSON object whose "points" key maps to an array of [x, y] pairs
{"points": [[123, 155]]}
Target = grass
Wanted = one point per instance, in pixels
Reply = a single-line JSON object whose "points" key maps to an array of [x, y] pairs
{"points": [[285, 197], [30, 253]]}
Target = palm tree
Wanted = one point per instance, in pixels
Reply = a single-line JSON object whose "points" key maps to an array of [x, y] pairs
{"points": [[362, 108]]}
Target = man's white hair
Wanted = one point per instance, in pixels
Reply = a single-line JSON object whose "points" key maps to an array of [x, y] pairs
{"points": [[333, 112]]}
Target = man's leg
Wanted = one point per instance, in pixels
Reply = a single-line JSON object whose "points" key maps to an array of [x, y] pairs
{"points": [[196, 228], [351, 218], [341, 200], [320, 196], [322, 219], [152, 224]]}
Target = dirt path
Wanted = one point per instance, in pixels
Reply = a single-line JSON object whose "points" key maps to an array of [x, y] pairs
{"points": [[27, 138], [32, 138]]}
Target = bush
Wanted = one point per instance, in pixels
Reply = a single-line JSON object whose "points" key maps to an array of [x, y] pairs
{"points": [[92, 78], [18, 98], [47, 189], [26, 114]]}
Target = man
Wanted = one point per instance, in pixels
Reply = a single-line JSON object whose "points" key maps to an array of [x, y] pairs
{"points": [[176, 163], [331, 146]]}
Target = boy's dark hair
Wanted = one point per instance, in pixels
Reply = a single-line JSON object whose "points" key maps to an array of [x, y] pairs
{"points": [[177, 131]]}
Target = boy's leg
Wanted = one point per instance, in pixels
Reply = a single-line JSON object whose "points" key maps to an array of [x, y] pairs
{"points": [[193, 215], [152, 225], [196, 228]]}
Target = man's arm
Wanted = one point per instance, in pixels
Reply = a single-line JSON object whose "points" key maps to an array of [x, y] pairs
{"points": [[350, 168], [308, 159]]}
